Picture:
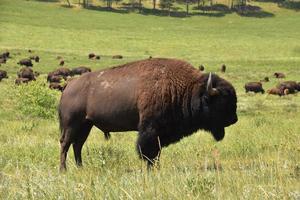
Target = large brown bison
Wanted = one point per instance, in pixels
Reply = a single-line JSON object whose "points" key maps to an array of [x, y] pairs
{"points": [[254, 87], [163, 99]]}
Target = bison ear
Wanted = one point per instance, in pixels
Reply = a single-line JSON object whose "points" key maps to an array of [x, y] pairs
{"points": [[209, 87]]}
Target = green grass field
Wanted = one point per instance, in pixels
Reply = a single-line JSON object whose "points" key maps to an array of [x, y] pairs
{"points": [[259, 157]]}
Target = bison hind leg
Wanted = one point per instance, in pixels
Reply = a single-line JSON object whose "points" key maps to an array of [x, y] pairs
{"points": [[79, 140]]}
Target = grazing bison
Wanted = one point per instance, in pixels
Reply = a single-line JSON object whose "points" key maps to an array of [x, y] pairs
{"points": [[92, 56], [56, 86], [3, 74], [223, 68], [2, 60], [117, 57], [276, 91], [62, 71], [26, 72], [201, 68], [26, 61], [279, 75], [80, 70], [5, 55], [61, 63], [254, 87], [35, 58], [266, 79], [55, 79], [97, 57], [19, 81], [292, 86], [163, 99]]}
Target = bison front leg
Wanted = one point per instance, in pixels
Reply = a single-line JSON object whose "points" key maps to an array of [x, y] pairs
{"points": [[148, 147]]}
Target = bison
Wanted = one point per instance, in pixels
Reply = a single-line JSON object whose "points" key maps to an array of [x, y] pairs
{"points": [[91, 56], [5, 55], [223, 68], [201, 68], [19, 81], [61, 63], [97, 57], [2, 60], [56, 86], [279, 75], [35, 58], [26, 72], [26, 61], [292, 86], [254, 87], [80, 70], [55, 79], [276, 91], [163, 99], [3, 74], [62, 71], [117, 57]]}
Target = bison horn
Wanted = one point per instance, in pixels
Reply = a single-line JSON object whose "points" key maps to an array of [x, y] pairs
{"points": [[211, 91]]}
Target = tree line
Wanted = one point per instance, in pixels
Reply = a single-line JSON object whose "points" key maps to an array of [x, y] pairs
{"points": [[168, 5]]}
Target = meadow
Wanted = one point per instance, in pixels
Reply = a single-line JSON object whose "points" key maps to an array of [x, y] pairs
{"points": [[259, 157]]}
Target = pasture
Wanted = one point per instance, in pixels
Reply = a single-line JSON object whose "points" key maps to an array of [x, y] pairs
{"points": [[259, 157]]}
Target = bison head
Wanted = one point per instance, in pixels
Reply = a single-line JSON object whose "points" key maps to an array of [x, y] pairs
{"points": [[215, 105]]}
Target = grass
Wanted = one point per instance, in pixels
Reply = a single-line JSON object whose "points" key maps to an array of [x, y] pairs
{"points": [[259, 157]]}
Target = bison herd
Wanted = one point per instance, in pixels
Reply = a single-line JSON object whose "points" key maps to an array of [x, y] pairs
{"points": [[281, 89], [57, 79]]}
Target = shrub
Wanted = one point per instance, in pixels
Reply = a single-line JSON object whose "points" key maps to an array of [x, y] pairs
{"points": [[35, 99]]}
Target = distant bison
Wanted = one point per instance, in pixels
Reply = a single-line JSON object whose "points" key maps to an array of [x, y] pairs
{"points": [[201, 68], [3, 74], [5, 55], [55, 79], [91, 56], [62, 71], [279, 75], [26, 61], [61, 63], [292, 86], [26, 72], [254, 87], [19, 81], [163, 99], [223, 68], [35, 58], [266, 79], [2, 60], [80, 70], [56, 86], [276, 91], [97, 57], [117, 57]]}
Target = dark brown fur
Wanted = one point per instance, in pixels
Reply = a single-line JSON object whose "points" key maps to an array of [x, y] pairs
{"points": [[56, 86], [254, 87], [91, 56], [3, 74], [163, 99]]}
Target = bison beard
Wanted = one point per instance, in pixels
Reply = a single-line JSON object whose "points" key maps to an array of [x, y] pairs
{"points": [[163, 99]]}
